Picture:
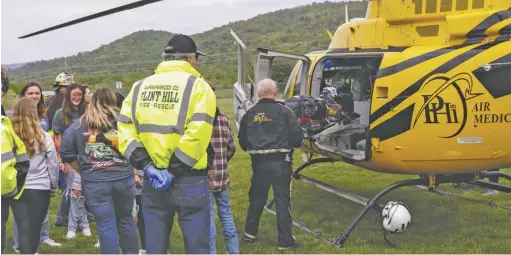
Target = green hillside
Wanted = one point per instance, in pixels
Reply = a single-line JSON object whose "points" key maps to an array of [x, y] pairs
{"points": [[299, 30]]}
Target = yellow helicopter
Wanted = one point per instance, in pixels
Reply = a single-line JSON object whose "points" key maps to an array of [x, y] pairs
{"points": [[429, 92], [426, 88]]}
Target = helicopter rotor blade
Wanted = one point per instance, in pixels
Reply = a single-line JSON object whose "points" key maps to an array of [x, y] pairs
{"points": [[94, 16]]}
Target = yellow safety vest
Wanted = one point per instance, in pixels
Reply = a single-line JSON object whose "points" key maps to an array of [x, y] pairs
{"points": [[169, 113], [14, 156]]}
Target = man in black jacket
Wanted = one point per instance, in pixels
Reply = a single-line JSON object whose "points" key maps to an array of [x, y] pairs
{"points": [[268, 132]]}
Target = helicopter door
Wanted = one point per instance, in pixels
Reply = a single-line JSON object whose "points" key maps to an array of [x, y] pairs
{"points": [[263, 69], [244, 87]]}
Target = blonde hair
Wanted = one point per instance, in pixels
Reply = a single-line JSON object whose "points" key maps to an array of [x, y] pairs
{"points": [[100, 111], [27, 126]]}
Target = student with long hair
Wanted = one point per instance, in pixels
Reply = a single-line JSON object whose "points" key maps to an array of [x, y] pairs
{"points": [[73, 107], [33, 90], [41, 181], [53, 104], [90, 147]]}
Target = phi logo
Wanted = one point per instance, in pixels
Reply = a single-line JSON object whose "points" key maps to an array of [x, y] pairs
{"points": [[445, 104]]}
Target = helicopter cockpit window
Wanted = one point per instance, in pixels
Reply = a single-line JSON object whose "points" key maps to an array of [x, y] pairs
{"points": [[298, 77], [290, 80]]}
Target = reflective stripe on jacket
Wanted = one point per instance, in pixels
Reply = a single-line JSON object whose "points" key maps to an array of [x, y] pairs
{"points": [[168, 117], [15, 163]]}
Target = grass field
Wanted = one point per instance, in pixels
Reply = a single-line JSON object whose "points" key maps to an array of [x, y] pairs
{"points": [[440, 224]]}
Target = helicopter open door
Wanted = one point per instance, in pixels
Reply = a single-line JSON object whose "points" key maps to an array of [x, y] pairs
{"points": [[251, 72], [265, 58], [243, 91]]}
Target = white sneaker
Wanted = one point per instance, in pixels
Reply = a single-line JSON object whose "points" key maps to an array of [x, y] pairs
{"points": [[97, 244], [71, 235], [16, 250], [140, 252], [51, 242], [86, 232]]}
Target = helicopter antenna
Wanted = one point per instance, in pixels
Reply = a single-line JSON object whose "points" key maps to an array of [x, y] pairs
{"points": [[329, 35], [94, 16], [346, 13]]}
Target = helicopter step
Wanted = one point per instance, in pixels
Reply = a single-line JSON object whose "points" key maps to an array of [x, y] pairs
{"points": [[424, 182]]}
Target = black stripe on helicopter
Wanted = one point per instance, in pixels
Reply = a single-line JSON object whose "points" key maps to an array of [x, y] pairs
{"points": [[449, 65], [394, 126], [504, 33], [477, 35], [391, 70]]}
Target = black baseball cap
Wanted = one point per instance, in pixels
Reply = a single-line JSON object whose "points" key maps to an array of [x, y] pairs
{"points": [[180, 43]]}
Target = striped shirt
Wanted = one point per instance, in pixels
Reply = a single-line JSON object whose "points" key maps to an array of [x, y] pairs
{"points": [[222, 141]]}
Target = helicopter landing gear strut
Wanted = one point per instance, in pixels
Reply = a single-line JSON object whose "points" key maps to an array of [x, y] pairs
{"points": [[344, 236]]}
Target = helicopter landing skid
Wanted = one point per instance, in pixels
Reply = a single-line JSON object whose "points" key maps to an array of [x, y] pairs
{"points": [[479, 201], [428, 182], [492, 185]]}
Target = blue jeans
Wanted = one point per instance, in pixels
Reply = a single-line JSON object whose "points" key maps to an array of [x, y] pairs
{"points": [[62, 218], [228, 226], [63, 208], [44, 235], [111, 203], [77, 214], [62, 181], [189, 198]]}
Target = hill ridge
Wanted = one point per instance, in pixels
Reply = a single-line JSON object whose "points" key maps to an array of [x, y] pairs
{"points": [[299, 30]]}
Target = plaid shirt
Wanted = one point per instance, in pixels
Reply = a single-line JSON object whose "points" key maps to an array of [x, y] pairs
{"points": [[222, 141]]}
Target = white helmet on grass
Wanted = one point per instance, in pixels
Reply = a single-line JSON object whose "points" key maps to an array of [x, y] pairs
{"points": [[396, 217]]}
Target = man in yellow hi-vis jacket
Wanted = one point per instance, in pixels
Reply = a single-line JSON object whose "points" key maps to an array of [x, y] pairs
{"points": [[165, 128], [15, 165]]}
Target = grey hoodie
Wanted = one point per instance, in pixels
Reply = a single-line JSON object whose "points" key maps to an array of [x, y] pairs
{"points": [[44, 170]]}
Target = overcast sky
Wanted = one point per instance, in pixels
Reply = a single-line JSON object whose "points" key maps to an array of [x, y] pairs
{"points": [[20, 17]]}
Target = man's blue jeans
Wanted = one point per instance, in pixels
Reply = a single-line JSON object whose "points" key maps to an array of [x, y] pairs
{"points": [[43, 235], [228, 226], [111, 203], [189, 198]]}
